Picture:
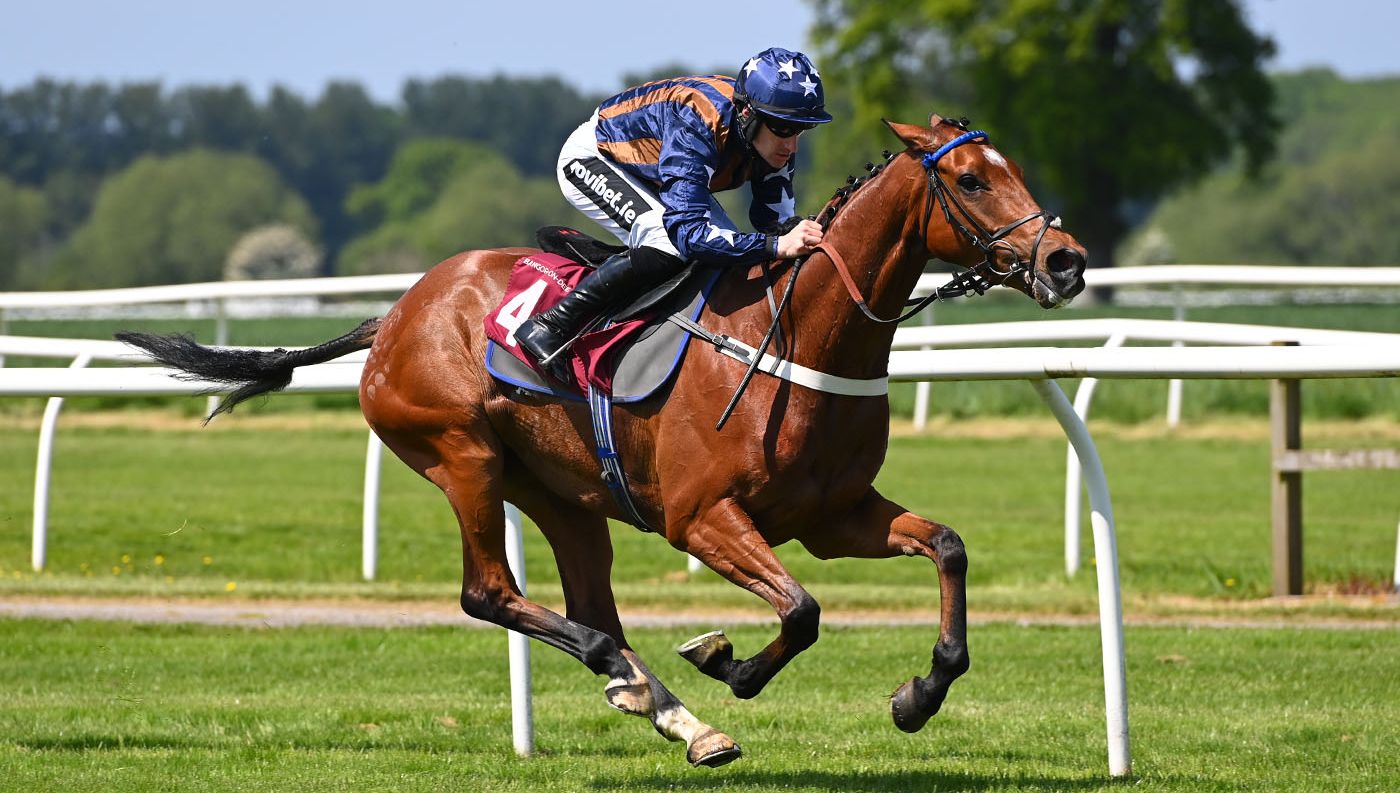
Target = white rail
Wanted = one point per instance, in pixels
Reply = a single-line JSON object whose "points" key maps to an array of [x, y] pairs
{"points": [[1164, 275], [1219, 275], [213, 290]]}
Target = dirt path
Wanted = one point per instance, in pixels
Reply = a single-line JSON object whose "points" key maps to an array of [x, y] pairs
{"points": [[409, 614]]}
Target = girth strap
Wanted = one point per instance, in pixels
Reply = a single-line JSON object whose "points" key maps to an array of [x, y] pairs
{"points": [[600, 404], [785, 369]]}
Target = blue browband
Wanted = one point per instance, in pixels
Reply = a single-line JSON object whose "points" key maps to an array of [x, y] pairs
{"points": [[931, 160]]}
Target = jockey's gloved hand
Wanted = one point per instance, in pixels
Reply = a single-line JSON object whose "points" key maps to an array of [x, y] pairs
{"points": [[785, 226], [801, 240]]}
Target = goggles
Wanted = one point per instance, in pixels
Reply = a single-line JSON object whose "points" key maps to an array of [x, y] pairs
{"points": [[784, 128]]}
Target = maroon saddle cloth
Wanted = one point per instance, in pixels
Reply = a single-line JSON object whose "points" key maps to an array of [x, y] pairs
{"points": [[627, 359]]}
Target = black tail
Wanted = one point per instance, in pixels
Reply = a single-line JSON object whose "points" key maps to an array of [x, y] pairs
{"points": [[252, 371]]}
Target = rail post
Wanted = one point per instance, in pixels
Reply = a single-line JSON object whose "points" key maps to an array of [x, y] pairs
{"points": [[1115, 673], [923, 387], [369, 516], [220, 340], [1174, 385], [522, 718], [1286, 486]]}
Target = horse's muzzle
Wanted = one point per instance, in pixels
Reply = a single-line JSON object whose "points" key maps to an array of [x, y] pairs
{"points": [[1061, 277]]}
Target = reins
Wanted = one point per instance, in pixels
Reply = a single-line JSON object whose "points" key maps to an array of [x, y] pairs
{"points": [[762, 348], [973, 279]]}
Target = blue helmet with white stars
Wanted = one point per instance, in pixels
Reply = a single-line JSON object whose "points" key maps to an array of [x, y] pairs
{"points": [[782, 84]]}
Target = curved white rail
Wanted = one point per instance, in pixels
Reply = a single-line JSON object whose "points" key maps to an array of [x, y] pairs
{"points": [[1218, 275], [1165, 275]]}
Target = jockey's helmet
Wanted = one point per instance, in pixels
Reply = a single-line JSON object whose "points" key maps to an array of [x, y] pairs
{"points": [[781, 89]]}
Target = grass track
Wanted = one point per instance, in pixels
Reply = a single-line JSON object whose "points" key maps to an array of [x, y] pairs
{"points": [[112, 706], [276, 512]]}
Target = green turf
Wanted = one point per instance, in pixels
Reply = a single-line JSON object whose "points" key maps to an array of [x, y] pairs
{"points": [[91, 706], [191, 511]]}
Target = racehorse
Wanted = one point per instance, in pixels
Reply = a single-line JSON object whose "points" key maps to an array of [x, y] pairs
{"points": [[791, 463]]}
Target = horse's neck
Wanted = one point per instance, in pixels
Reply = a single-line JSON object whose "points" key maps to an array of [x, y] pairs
{"points": [[877, 235]]}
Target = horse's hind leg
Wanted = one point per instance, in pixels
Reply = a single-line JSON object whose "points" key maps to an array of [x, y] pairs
{"points": [[583, 552], [878, 528], [469, 472]]}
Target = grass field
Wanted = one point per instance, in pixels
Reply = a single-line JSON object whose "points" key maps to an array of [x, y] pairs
{"points": [[150, 503], [267, 505], [109, 706]]}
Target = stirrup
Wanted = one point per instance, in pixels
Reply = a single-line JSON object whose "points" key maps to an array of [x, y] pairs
{"points": [[549, 358]]}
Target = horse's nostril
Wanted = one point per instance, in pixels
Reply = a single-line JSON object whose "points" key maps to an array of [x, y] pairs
{"points": [[1065, 260]]}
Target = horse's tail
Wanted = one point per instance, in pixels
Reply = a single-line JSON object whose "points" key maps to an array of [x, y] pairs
{"points": [[252, 371]]}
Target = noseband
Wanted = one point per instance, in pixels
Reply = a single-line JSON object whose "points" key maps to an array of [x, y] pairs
{"points": [[977, 278]]}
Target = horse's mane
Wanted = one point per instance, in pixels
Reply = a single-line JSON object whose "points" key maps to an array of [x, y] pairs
{"points": [[854, 183]]}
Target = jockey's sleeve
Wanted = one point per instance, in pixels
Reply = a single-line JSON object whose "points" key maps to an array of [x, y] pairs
{"points": [[773, 197], [687, 161]]}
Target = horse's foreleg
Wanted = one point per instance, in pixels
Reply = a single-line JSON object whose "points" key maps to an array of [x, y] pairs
{"points": [[583, 552], [725, 539], [879, 528]]}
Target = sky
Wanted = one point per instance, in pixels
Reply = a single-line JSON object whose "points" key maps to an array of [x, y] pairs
{"points": [[303, 44]]}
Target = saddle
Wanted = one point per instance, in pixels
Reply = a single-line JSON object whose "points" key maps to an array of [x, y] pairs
{"points": [[628, 355]]}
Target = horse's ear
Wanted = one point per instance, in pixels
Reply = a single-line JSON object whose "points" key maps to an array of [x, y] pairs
{"points": [[913, 136], [934, 119]]}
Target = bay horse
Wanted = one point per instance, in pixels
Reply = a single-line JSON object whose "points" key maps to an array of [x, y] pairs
{"points": [[792, 463]]}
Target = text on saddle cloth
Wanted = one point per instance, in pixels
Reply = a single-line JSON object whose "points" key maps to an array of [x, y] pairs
{"points": [[539, 281]]}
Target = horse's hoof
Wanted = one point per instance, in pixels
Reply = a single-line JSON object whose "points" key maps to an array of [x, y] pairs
{"points": [[908, 715], [712, 749], [633, 698], [711, 653]]}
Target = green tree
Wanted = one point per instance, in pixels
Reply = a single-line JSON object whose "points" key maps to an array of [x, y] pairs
{"points": [[527, 119], [173, 220], [1107, 103], [21, 230], [350, 140], [440, 197], [216, 117], [1327, 200]]}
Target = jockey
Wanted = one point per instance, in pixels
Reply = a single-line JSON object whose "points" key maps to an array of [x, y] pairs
{"points": [[646, 165]]}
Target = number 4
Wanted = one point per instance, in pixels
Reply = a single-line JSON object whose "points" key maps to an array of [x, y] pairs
{"points": [[518, 309]]}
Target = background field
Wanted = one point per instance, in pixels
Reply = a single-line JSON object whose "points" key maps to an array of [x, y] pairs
{"points": [[148, 502], [133, 708]]}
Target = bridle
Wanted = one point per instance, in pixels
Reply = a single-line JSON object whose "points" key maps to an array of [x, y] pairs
{"points": [[979, 277]]}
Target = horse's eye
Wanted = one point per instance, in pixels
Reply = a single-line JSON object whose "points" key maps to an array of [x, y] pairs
{"points": [[969, 183]]}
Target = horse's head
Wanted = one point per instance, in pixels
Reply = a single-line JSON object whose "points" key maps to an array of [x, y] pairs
{"points": [[992, 224]]}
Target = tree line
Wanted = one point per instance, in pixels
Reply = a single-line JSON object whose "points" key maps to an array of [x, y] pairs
{"points": [[1328, 197], [84, 166], [1152, 127]]}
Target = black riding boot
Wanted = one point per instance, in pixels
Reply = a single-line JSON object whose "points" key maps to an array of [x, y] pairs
{"points": [[545, 336]]}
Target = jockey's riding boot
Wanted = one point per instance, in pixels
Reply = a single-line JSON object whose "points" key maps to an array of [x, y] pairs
{"points": [[545, 336]]}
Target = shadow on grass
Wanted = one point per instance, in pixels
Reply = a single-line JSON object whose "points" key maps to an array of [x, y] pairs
{"points": [[231, 743], [856, 781]]}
